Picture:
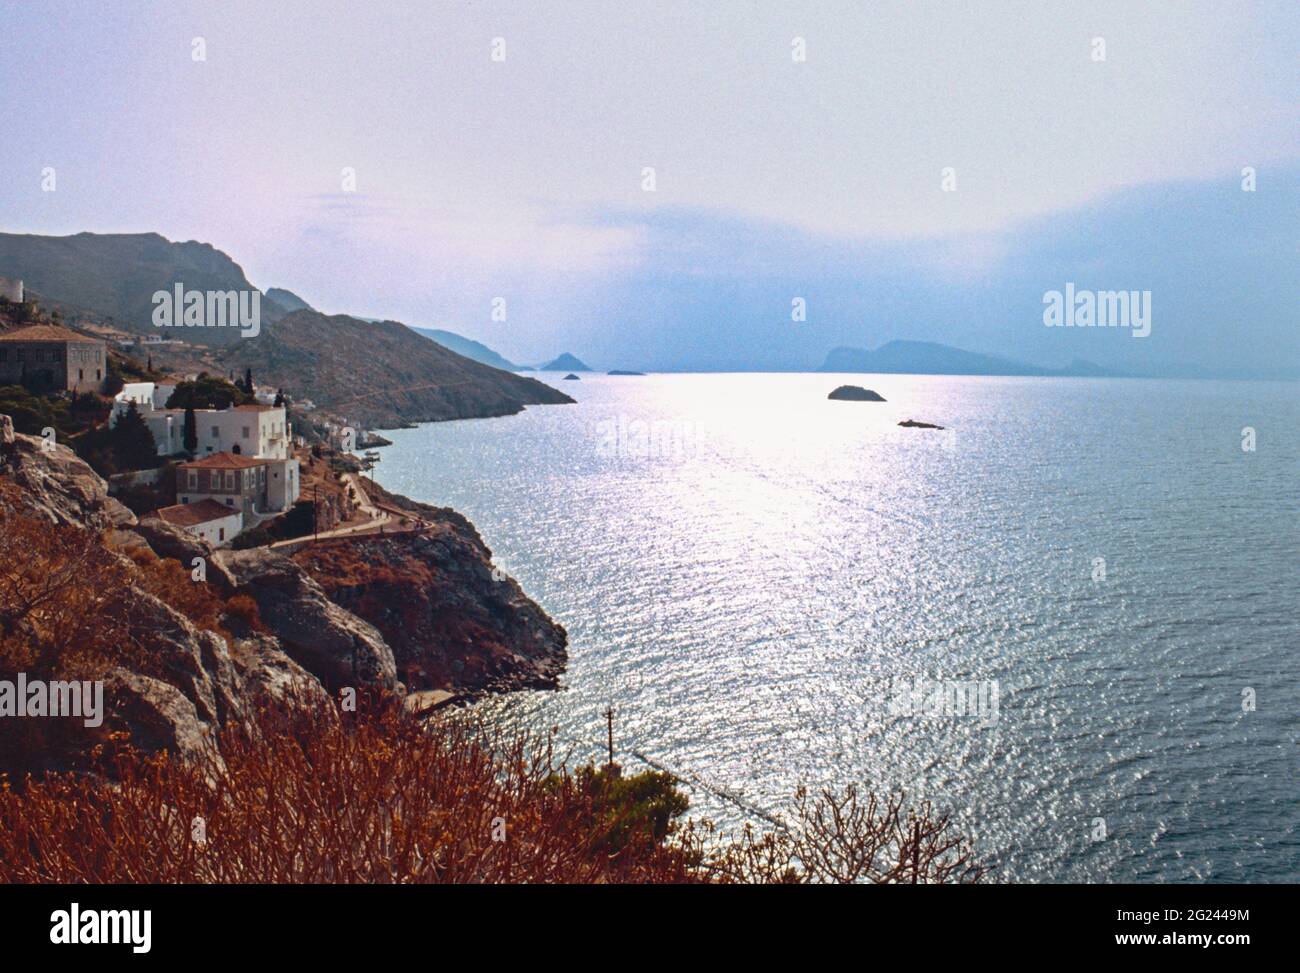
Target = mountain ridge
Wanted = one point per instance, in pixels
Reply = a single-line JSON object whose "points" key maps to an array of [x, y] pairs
{"points": [[932, 358]]}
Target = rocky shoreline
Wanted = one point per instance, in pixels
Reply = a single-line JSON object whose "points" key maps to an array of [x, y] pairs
{"points": [[405, 612]]}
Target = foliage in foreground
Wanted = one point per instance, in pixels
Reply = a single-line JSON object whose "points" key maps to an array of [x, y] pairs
{"points": [[385, 798]]}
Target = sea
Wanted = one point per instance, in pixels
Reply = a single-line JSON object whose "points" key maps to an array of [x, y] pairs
{"points": [[1070, 618]]}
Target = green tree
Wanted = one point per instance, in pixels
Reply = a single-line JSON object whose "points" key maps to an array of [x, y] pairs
{"points": [[207, 392], [624, 810], [133, 444]]}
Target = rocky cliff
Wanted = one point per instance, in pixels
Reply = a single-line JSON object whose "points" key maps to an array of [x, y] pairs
{"points": [[453, 621], [188, 661]]}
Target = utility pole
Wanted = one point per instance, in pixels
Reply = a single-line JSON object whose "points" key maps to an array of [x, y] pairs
{"points": [[609, 722]]}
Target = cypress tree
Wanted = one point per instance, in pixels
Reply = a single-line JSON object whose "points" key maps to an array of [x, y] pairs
{"points": [[133, 444], [190, 432]]}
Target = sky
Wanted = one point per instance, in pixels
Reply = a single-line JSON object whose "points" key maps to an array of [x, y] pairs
{"points": [[775, 177]]}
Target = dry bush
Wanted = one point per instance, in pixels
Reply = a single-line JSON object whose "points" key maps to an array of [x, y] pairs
{"points": [[387, 799], [169, 581], [845, 838], [58, 586], [384, 800]]}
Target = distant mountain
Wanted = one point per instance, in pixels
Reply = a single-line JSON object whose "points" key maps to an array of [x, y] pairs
{"points": [[377, 375], [565, 363], [931, 358], [115, 275], [288, 299], [474, 350], [380, 374]]}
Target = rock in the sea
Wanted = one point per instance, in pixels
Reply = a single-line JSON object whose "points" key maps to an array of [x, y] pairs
{"points": [[855, 393], [571, 378], [913, 424], [333, 644]]}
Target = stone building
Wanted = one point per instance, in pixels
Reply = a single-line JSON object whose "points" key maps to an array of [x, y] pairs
{"points": [[254, 486], [52, 357]]}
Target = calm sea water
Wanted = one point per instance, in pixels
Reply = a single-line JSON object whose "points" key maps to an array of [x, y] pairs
{"points": [[754, 577]]}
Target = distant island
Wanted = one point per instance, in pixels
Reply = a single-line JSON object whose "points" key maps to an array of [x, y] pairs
{"points": [[619, 371], [855, 393], [565, 363], [931, 358]]}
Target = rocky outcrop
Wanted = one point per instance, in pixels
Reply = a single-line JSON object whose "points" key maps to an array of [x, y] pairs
{"points": [[168, 540], [56, 485], [343, 613], [156, 715], [855, 393], [454, 622], [329, 641], [183, 686], [913, 424]]}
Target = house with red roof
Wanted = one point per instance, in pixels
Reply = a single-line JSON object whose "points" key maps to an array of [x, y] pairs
{"points": [[206, 519], [52, 357]]}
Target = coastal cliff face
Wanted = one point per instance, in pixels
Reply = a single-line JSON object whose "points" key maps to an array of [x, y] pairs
{"points": [[453, 621], [182, 658]]}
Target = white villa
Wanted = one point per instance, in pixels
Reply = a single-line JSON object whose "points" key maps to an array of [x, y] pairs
{"points": [[207, 519], [244, 460], [245, 430]]}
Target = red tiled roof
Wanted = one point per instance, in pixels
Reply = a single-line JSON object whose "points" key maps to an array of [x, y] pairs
{"points": [[189, 514], [46, 332], [224, 461]]}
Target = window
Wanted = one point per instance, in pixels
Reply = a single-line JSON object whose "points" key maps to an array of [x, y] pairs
{"points": [[98, 376], [58, 354], [245, 432], [230, 481], [221, 533], [40, 354], [194, 479], [4, 354], [230, 501], [22, 355], [216, 432], [81, 375]]}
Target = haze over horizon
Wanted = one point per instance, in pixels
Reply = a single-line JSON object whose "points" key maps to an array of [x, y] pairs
{"points": [[775, 178]]}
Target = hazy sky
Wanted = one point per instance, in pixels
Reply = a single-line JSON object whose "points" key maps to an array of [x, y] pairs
{"points": [[523, 178]]}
